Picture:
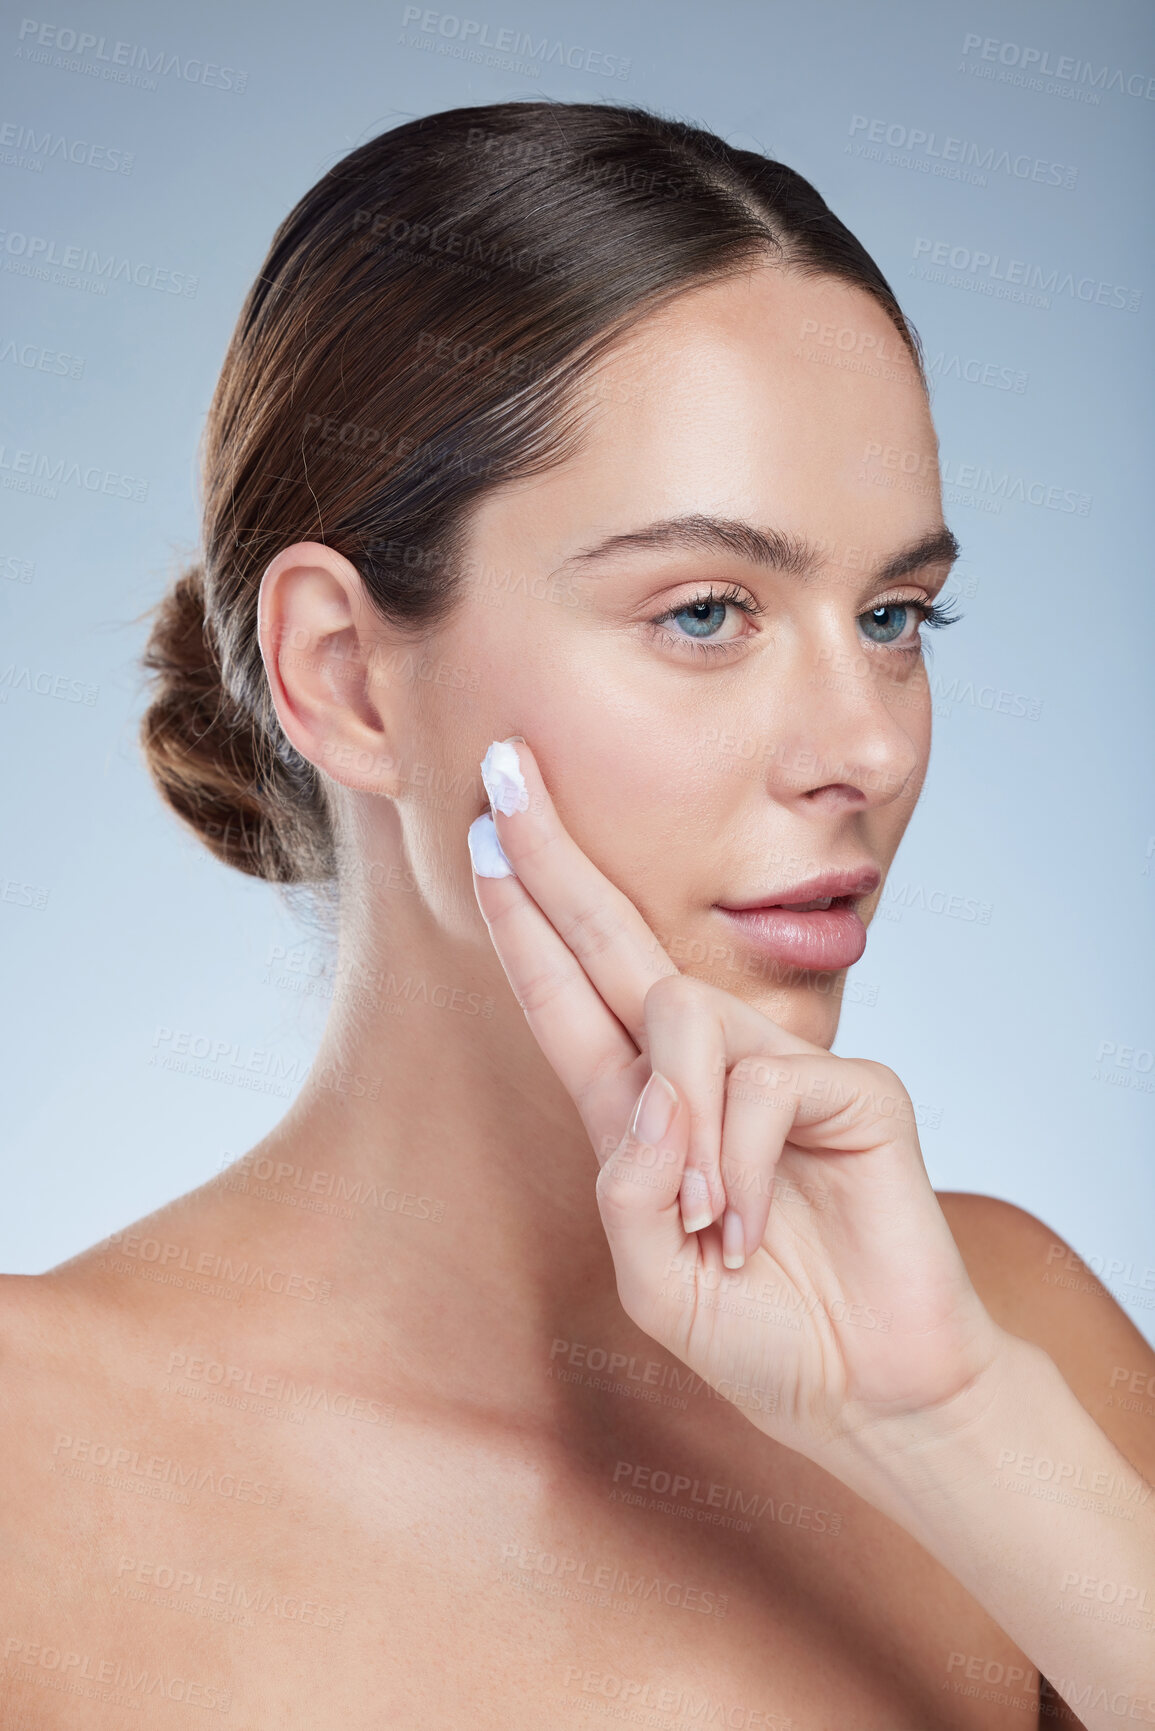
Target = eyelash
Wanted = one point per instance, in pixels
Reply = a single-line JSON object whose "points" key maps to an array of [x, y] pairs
{"points": [[708, 598], [933, 615]]}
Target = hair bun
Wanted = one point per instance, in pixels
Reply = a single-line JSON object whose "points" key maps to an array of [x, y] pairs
{"points": [[206, 755]]}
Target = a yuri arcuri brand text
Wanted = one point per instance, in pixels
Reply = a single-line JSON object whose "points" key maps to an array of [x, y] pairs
{"points": [[121, 1462], [34, 254], [1041, 68], [118, 62], [717, 1503], [614, 1580], [165, 1253], [634, 1695], [1058, 1480], [321, 1192], [1019, 279], [202, 1374], [178, 1587], [117, 1682]]}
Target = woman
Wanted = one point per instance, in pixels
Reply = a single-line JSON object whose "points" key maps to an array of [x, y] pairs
{"points": [[424, 1414]]}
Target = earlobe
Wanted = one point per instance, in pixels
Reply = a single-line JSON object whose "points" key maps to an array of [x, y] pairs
{"points": [[318, 637]]}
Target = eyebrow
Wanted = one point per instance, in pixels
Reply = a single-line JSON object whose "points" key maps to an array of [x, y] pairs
{"points": [[772, 548]]}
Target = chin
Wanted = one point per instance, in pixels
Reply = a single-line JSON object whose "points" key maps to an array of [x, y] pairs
{"points": [[811, 1013], [806, 1004]]}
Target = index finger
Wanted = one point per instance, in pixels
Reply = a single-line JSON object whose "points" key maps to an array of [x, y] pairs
{"points": [[597, 926], [595, 919]]}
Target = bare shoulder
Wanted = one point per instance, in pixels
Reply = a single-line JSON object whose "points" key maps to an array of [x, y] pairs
{"points": [[43, 1363], [55, 1344], [70, 1330], [1037, 1287], [36, 1327]]}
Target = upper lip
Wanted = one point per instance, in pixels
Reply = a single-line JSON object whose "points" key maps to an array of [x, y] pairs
{"points": [[855, 882]]}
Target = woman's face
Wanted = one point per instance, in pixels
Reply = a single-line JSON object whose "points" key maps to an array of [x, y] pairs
{"points": [[711, 754]]}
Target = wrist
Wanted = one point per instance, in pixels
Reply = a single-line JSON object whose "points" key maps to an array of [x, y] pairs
{"points": [[905, 1462]]}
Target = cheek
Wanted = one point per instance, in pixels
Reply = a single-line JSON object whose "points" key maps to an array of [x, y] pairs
{"points": [[635, 787], [916, 723]]}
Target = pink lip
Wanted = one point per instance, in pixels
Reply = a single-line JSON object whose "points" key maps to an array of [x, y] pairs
{"points": [[823, 940], [856, 882]]}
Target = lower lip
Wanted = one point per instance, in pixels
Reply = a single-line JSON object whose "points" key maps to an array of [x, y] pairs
{"points": [[820, 942]]}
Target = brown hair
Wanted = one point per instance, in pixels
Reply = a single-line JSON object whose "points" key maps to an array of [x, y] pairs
{"points": [[411, 340]]}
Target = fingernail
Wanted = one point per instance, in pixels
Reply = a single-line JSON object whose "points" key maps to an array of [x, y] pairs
{"points": [[696, 1210], [485, 850], [654, 1112], [733, 1239], [504, 782]]}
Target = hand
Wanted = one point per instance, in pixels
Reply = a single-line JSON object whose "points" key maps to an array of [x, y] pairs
{"points": [[766, 1204]]}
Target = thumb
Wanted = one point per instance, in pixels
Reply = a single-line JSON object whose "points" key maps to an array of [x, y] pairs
{"points": [[638, 1189]]}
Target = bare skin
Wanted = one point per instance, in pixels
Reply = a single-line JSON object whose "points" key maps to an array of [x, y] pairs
{"points": [[350, 1489]]}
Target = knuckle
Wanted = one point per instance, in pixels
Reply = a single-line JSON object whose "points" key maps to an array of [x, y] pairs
{"points": [[619, 1201], [604, 1069], [763, 1081], [755, 1071], [534, 993], [864, 1091], [673, 994], [882, 1082], [882, 1074], [591, 930]]}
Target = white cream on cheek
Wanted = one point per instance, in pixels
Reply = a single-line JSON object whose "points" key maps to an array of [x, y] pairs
{"points": [[505, 785], [485, 850], [504, 782]]}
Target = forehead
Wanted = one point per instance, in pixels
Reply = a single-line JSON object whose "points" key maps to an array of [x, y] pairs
{"points": [[737, 399]]}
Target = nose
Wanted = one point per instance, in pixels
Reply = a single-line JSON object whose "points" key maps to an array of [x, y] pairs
{"points": [[851, 734]]}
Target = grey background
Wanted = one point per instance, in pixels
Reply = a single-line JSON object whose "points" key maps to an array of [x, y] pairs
{"points": [[1007, 976]]}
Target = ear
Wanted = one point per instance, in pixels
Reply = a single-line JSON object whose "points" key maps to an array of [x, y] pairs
{"points": [[321, 639]]}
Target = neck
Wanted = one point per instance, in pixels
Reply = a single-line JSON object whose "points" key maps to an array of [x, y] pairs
{"points": [[455, 1213]]}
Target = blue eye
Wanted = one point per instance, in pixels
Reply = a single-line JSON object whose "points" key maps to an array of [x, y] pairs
{"points": [[702, 618], [886, 623]]}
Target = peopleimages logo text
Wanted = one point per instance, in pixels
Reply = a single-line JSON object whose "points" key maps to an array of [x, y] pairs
{"points": [[1066, 68], [474, 33], [37, 252], [974, 261], [917, 142], [119, 60]]}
